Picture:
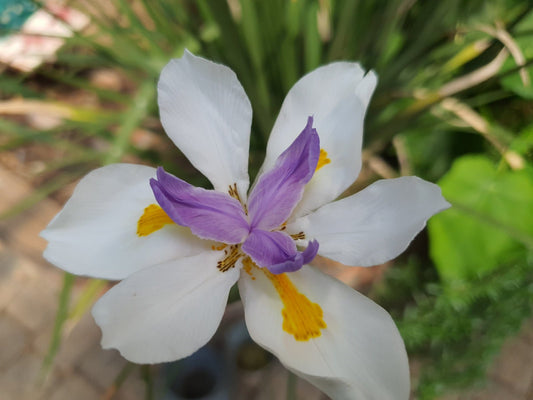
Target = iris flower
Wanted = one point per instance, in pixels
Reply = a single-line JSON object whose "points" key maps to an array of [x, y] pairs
{"points": [[178, 249]]}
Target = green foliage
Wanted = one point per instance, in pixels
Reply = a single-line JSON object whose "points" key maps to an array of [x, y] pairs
{"points": [[457, 333], [480, 233]]}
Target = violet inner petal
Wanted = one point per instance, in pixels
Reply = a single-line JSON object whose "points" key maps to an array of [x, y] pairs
{"points": [[277, 251], [279, 190], [210, 214]]}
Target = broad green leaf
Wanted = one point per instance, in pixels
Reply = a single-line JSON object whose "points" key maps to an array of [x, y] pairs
{"points": [[491, 218], [523, 144]]}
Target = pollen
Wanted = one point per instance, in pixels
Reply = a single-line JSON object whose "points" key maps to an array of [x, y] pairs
{"points": [[322, 159], [233, 253], [302, 318], [153, 219]]}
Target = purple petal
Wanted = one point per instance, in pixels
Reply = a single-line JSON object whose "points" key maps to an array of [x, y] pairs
{"points": [[268, 248], [210, 214], [288, 266], [310, 252], [279, 190], [300, 259], [277, 251]]}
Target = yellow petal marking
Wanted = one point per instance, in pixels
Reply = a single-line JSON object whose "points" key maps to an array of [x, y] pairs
{"points": [[248, 266], [322, 159], [301, 317], [153, 219]]}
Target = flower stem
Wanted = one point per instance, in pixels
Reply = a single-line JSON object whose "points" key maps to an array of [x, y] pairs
{"points": [[292, 380]]}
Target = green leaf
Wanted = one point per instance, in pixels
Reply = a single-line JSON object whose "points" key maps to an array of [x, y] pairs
{"points": [[490, 220], [523, 144], [312, 40]]}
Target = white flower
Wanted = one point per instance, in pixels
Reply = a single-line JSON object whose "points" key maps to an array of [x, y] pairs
{"points": [[176, 279]]}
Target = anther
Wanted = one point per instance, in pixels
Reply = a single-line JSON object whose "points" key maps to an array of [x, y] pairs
{"points": [[231, 258], [298, 236], [233, 192]]}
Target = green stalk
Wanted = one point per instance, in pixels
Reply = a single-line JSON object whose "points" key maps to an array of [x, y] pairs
{"points": [[292, 380], [119, 380], [131, 119], [61, 317], [147, 376]]}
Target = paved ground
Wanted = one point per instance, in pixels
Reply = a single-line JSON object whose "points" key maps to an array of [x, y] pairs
{"points": [[29, 289]]}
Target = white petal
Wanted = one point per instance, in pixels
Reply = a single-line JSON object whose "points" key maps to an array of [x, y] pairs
{"points": [[95, 234], [374, 225], [166, 312], [206, 113], [337, 95], [359, 355]]}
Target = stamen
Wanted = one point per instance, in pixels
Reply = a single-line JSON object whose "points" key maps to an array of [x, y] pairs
{"points": [[301, 318], [298, 236], [322, 159], [232, 255], [153, 219], [233, 192]]}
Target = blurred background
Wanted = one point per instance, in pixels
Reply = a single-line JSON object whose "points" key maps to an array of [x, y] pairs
{"points": [[453, 105]]}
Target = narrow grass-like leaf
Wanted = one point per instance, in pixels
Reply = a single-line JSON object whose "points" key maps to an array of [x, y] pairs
{"points": [[61, 316], [119, 381], [131, 119], [313, 45], [92, 290], [39, 194]]}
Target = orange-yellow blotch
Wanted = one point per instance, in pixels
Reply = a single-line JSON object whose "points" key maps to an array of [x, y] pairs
{"points": [[301, 318], [322, 159], [248, 265], [153, 219]]}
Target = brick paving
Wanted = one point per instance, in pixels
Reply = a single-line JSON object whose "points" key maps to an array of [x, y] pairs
{"points": [[29, 289]]}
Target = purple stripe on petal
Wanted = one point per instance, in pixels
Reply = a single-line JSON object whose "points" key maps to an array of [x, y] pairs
{"points": [[279, 190], [277, 251], [210, 214]]}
